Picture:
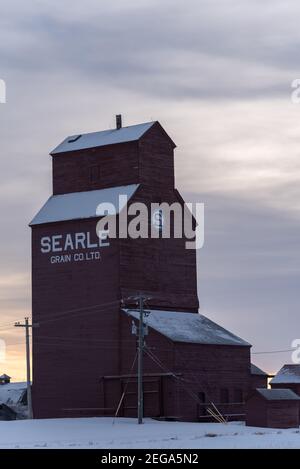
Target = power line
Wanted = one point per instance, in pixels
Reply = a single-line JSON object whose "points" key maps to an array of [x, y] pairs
{"points": [[81, 339], [83, 311], [90, 310], [6, 326], [274, 351], [79, 346]]}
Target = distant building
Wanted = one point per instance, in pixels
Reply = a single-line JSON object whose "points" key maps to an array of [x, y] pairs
{"points": [[273, 408], [259, 379], [5, 379], [287, 377]]}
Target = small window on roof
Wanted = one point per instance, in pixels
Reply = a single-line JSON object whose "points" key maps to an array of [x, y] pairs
{"points": [[74, 139]]}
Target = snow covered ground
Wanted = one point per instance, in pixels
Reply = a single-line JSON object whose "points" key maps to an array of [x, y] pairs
{"points": [[125, 433]]}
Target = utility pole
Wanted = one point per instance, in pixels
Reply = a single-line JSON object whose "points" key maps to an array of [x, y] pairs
{"points": [[141, 299], [140, 361], [29, 398]]}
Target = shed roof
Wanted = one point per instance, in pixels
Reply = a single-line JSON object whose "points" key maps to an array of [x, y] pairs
{"points": [[287, 374], [257, 371], [5, 376], [103, 138], [278, 394], [79, 205], [189, 327]]}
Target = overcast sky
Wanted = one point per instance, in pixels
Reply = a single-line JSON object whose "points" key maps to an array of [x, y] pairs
{"points": [[217, 75]]}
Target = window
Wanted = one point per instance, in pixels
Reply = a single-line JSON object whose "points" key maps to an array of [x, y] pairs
{"points": [[238, 395], [94, 173], [224, 396]]}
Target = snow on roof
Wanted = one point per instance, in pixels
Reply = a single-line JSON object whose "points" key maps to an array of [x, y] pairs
{"points": [[257, 371], [12, 393], [4, 376], [278, 394], [287, 374], [189, 327], [105, 137], [78, 205]]}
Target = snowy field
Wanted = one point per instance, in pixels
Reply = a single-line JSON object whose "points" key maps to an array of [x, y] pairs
{"points": [[125, 433]]}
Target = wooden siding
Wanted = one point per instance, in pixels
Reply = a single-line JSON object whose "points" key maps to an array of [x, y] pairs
{"points": [[293, 386], [156, 159], [271, 414], [70, 353], [95, 168], [259, 381], [163, 268]]}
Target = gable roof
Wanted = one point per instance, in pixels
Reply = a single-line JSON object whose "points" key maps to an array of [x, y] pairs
{"points": [[278, 394], [287, 374], [80, 205], [188, 327], [257, 371], [105, 137]]}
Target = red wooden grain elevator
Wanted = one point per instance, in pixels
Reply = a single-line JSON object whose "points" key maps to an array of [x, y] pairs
{"points": [[83, 349]]}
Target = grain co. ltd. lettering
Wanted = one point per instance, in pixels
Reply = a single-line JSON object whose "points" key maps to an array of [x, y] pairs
{"points": [[74, 246]]}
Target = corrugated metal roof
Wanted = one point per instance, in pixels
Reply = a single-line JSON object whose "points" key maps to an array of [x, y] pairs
{"points": [[278, 394], [189, 327], [105, 137], [287, 374], [79, 205], [257, 371]]}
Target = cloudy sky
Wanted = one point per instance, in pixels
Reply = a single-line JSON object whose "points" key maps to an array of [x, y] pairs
{"points": [[217, 75]]}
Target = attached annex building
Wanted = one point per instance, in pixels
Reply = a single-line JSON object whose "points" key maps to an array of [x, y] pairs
{"points": [[82, 289]]}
